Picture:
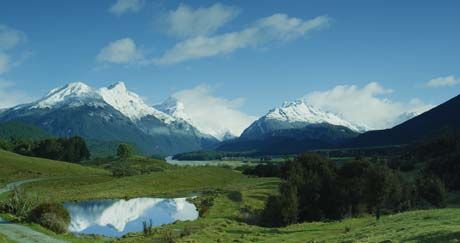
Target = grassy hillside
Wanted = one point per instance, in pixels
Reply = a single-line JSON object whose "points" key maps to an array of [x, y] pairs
{"points": [[181, 181], [15, 167]]}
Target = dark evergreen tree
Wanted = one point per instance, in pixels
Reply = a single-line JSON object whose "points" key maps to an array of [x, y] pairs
{"points": [[352, 183], [378, 188]]}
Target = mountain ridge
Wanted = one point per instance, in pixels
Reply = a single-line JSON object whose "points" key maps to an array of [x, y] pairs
{"points": [[109, 114]]}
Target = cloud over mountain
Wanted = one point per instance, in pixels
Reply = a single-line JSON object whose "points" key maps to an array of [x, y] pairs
{"points": [[211, 114], [369, 105]]}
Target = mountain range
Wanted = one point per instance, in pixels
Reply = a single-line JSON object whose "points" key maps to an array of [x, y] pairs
{"points": [[109, 114], [114, 114]]}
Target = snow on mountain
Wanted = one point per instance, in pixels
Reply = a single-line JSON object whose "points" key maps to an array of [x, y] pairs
{"points": [[130, 104], [116, 95], [74, 94], [299, 111], [174, 108]]}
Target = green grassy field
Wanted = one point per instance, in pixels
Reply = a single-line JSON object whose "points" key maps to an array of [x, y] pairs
{"points": [[180, 181], [16, 167], [225, 220]]}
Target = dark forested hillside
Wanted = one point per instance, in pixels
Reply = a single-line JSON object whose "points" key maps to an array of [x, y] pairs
{"points": [[19, 130], [443, 119], [292, 141]]}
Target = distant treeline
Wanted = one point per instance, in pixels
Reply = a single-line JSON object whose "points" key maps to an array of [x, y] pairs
{"points": [[208, 155], [71, 149], [383, 151]]}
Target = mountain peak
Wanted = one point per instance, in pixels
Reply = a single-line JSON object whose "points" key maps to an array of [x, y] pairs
{"points": [[67, 93], [129, 103], [300, 112], [120, 86]]}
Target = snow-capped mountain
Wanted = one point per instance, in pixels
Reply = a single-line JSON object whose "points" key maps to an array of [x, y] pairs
{"points": [[130, 104], [294, 127], [74, 94], [177, 109], [299, 111], [296, 115], [109, 114]]}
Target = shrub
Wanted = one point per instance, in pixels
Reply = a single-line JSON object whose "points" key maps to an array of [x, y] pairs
{"points": [[122, 170], [52, 216], [52, 222], [18, 204], [147, 227], [235, 196], [188, 230], [204, 202], [168, 236]]}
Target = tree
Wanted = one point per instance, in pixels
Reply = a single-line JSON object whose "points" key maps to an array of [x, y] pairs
{"points": [[378, 187], [289, 204], [49, 148], [352, 183], [432, 190], [124, 151], [271, 215], [75, 149]]}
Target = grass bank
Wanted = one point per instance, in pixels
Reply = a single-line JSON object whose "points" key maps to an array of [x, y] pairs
{"points": [[15, 167]]}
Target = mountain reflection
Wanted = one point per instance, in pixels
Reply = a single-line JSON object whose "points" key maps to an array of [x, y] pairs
{"points": [[116, 218]]}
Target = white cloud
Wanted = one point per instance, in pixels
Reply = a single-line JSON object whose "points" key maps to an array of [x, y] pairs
{"points": [[4, 63], [278, 27], [10, 39], [368, 105], [123, 6], [443, 82], [9, 96], [123, 51], [211, 114], [186, 21]]}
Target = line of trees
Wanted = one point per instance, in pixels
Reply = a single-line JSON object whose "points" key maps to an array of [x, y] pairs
{"points": [[316, 189], [73, 149]]}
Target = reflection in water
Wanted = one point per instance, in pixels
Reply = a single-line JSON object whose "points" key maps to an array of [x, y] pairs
{"points": [[117, 217]]}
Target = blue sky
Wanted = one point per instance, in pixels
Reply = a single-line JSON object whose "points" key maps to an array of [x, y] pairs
{"points": [[242, 53]]}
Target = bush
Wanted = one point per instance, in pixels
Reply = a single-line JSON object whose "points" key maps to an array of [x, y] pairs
{"points": [[147, 227], [122, 170], [52, 222], [235, 196], [168, 236], [52, 216], [18, 204]]}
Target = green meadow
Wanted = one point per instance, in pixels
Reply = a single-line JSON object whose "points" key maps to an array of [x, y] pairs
{"points": [[226, 220]]}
